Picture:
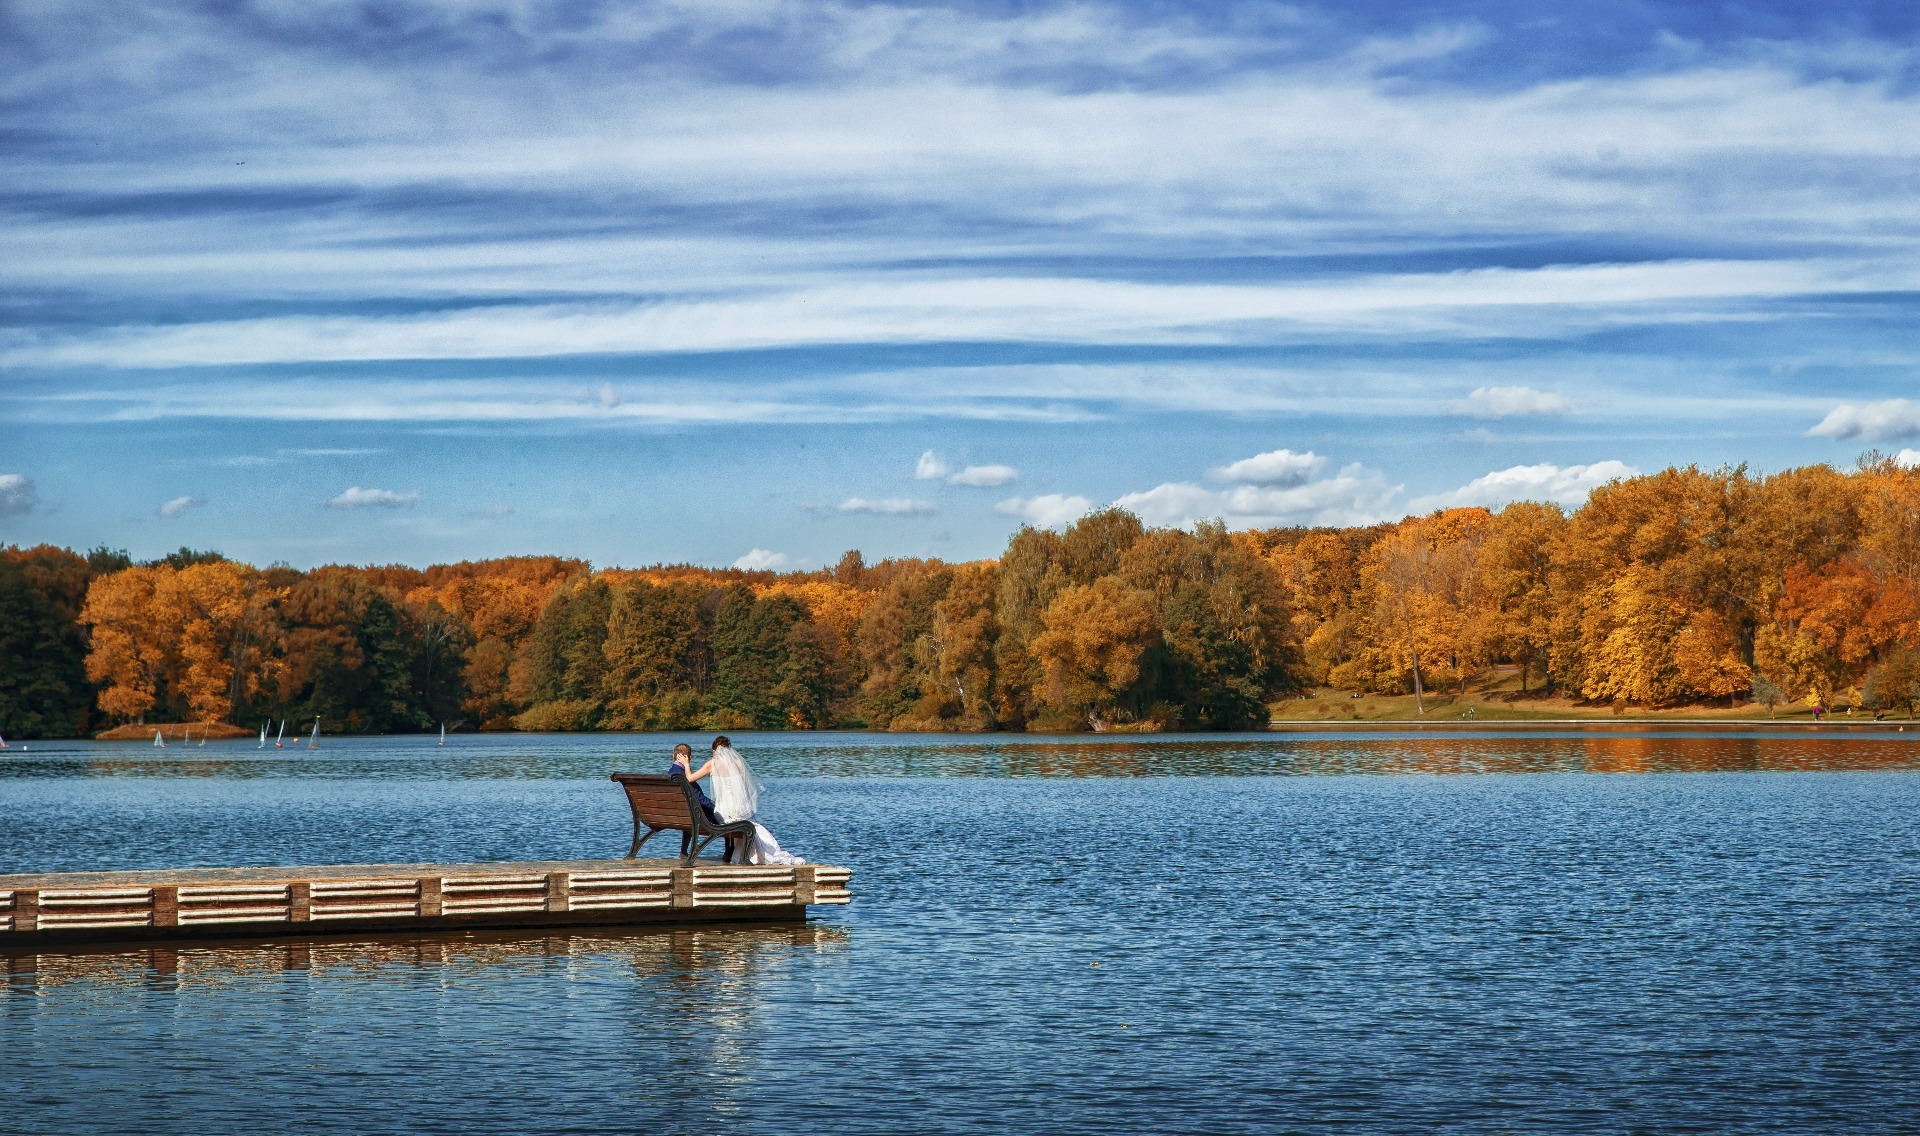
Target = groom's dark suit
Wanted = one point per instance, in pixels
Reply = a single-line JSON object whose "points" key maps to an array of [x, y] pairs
{"points": [[706, 804]]}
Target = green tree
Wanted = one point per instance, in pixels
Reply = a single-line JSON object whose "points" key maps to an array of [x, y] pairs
{"points": [[658, 654], [756, 679], [44, 691]]}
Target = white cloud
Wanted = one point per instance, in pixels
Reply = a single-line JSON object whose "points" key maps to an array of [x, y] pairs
{"points": [[1275, 467], [887, 507], [761, 559], [608, 397], [929, 467], [16, 494], [358, 498], [1050, 511], [1509, 402], [180, 505], [985, 476], [1893, 420], [1355, 496], [1561, 485]]}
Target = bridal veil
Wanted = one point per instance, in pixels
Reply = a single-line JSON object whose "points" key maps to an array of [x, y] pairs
{"points": [[736, 791]]}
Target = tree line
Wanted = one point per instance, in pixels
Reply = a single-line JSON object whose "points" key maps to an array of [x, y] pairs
{"points": [[1681, 586]]}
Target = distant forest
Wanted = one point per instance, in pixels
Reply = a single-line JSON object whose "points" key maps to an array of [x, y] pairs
{"points": [[1675, 587]]}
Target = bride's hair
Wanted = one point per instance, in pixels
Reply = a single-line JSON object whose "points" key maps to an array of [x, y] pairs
{"points": [[722, 740]]}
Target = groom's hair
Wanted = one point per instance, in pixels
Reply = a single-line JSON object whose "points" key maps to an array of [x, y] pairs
{"points": [[683, 748], [722, 740]]}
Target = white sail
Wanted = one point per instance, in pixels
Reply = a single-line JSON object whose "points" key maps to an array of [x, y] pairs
{"points": [[314, 741], [3, 739], [443, 736], [282, 736], [263, 735], [158, 740]]}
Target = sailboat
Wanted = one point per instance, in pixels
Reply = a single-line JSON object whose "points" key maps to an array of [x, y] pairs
{"points": [[158, 741], [443, 736], [314, 741], [3, 738], [263, 734], [204, 730], [281, 737]]}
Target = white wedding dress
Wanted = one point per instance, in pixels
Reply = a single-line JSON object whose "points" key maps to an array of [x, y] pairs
{"points": [[736, 797]]}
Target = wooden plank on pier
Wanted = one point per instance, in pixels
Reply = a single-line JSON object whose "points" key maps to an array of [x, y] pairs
{"points": [[250, 902]]}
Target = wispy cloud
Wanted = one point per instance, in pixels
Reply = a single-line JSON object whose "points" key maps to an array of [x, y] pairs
{"points": [[1892, 420], [358, 498], [1049, 511], [1509, 402], [1483, 302], [929, 467], [17, 494], [179, 505], [762, 559], [1562, 485], [985, 476]]}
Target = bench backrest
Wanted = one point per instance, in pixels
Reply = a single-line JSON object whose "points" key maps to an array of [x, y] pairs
{"points": [[659, 800]]}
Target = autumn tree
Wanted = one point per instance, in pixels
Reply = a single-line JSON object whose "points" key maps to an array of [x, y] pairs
{"points": [[890, 638], [1093, 640], [1227, 637], [957, 653], [131, 656], [562, 670], [1518, 578], [1032, 573], [659, 663]]}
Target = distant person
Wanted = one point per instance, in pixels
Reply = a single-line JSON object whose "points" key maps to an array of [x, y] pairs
{"points": [[683, 762], [736, 794]]}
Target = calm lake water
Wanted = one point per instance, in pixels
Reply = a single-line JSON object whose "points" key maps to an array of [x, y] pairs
{"points": [[1375, 933]]}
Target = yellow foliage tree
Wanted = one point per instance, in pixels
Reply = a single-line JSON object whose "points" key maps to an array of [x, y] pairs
{"points": [[1091, 645], [131, 652], [217, 624], [966, 627]]}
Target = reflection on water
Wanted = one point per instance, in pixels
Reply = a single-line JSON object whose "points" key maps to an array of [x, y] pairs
{"points": [[694, 957], [365, 1030], [550, 756]]}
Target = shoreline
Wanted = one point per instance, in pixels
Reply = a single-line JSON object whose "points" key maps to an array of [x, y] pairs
{"points": [[1277, 726], [1716, 725]]}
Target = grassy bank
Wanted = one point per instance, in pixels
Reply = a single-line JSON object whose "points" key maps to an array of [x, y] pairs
{"points": [[1497, 698]]}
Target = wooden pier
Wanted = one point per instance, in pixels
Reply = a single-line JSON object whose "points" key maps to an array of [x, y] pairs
{"points": [[54, 909]]}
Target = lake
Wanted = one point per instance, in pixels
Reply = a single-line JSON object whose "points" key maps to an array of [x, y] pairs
{"points": [[1606, 932]]}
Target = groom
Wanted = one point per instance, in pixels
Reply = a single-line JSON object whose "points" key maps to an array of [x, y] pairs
{"points": [[683, 761]]}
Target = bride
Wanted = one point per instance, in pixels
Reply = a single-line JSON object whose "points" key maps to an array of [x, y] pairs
{"points": [[736, 797]]}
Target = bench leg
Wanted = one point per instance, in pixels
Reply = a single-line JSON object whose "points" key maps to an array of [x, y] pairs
{"points": [[639, 840]]}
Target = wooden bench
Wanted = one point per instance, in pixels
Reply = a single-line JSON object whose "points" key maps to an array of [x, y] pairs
{"points": [[667, 800]]}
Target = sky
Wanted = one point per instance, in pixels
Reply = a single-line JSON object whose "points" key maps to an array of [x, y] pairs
{"points": [[743, 282]]}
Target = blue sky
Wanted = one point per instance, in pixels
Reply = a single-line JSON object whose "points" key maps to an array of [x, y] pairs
{"points": [[373, 282]]}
